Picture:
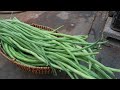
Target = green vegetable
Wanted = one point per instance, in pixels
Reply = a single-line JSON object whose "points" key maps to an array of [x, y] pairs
{"points": [[35, 47]]}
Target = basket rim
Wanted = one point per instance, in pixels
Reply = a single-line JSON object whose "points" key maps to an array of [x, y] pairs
{"points": [[28, 66]]}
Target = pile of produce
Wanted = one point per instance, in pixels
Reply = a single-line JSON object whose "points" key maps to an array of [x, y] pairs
{"points": [[31, 46]]}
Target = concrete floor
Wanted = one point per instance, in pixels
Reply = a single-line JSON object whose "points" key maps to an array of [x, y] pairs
{"points": [[75, 23]]}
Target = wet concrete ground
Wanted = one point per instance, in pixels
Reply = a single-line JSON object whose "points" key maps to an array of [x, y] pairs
{"points": [[75, 23]]}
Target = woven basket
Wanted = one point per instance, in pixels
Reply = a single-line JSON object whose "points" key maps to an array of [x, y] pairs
{"points": [[33, 69]]}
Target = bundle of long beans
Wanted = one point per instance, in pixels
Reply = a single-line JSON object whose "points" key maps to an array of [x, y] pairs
{"points": [[31, 46]]}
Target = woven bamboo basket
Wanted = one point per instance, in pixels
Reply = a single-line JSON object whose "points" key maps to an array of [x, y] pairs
{"points": [[33, 69]]}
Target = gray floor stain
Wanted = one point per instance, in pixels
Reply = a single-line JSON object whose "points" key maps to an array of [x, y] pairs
{"points": [[63, 15]]}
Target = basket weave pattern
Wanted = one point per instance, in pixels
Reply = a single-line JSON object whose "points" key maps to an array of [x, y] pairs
{"points": [[35, 70]]}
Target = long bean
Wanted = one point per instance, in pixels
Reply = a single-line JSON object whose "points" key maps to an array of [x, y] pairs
{"points": [[36, 47]]}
